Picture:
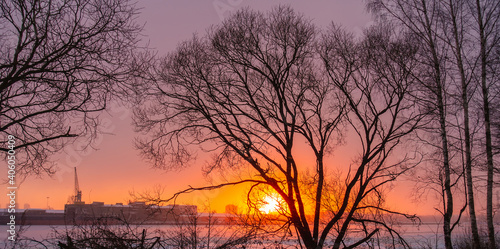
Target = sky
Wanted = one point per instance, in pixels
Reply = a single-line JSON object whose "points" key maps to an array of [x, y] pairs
{"points": [[114, 169]]}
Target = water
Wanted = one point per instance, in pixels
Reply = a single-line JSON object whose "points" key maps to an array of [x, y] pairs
{"points": [[426, 235]]}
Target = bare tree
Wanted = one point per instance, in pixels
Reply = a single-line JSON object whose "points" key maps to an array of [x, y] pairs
{"points": [[468, 34], [257, 86], [452, 28], [453, 15], [60, 62], [374, 77], [420, 18], [487, 16], [466, 46]]}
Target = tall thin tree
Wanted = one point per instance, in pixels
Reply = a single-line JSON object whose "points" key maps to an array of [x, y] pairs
{"points": [[455, 12], [487, 16], [423, 19]]}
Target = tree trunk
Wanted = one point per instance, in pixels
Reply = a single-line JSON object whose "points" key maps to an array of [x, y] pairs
{"points": [[319, 193], [448, 212], [465, 106], [487, 127], [448, 202]]}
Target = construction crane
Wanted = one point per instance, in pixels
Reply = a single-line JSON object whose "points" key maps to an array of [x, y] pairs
{"points": [[77, 198]]}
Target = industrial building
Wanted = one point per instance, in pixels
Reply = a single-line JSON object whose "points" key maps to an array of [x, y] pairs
{"points": [[133, 213]]}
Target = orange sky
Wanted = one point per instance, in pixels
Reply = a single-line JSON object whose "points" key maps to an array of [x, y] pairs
{"points": [[115, 169]]}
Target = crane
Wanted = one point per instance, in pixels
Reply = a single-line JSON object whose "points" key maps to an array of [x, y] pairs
{"points": [[77, 198]]}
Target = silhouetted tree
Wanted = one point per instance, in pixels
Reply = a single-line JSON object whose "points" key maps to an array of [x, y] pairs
{"points": [[465, 36], [375, 79], [439, 25], [486, 14], [60, 62], [255, 88], [453, 13]]}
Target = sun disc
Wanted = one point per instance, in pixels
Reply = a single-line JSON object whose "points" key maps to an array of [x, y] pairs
{"points": [[271, 205]]}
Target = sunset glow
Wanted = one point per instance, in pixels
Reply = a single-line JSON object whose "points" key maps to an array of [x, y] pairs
{"points": [[249, 124], [270, 205]]}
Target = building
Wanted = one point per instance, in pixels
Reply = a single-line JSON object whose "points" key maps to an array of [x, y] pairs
{"points": [[34, 217], [133, 213]]}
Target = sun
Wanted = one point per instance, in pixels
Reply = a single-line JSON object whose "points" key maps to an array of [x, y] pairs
{"points": [[270, 205]]}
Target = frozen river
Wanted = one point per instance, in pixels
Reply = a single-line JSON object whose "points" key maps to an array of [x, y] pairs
{"points": [[425, 235]]}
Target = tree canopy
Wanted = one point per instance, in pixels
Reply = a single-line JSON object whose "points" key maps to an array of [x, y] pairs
{"points": [[60, 62], [257, 85]]}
